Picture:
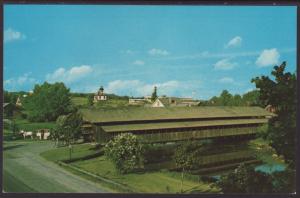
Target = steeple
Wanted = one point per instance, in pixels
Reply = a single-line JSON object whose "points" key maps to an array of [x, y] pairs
{"points": [[101, 90]]}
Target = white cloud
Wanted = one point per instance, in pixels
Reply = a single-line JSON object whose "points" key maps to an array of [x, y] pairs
{"points": [[268, 57], [22, 81], [139, 88], [225, 64], [129, 52], [71, 75], [248, 62], [235, 42], [226, 80], [213, 55], [160, 52], [139, 62], [12, 35]]}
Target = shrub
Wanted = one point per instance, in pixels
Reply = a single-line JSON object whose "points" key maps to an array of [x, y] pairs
{"points": [[126, 152]]}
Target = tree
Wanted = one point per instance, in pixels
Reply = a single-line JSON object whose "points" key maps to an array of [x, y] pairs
{"points": [[186, 156], [14, 128], [284, 181], [11, 107], [251, 98], [68, 127], [225, 98], [236, 100], [90, 100], [126, 152], [47, 102], [280, 93], [245, 179], [154, 94]]}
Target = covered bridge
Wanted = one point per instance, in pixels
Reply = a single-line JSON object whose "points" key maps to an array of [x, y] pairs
{"points": [[174, 124]]}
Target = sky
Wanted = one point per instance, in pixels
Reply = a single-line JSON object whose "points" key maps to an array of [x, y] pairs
{"points": [[186, 51]]}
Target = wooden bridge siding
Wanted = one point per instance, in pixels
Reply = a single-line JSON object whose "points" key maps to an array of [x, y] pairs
{"points": [[207, 159], [195, 134], [211, 159], [157, 136]]}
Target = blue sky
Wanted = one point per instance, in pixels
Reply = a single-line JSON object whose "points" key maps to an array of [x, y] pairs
{"points": [[186, 51]]}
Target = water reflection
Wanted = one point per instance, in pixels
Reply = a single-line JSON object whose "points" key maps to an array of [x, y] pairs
{"points": [[270, 168]]}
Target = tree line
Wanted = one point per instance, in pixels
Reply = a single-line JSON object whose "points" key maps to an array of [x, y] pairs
{"points": [[250, 98]]}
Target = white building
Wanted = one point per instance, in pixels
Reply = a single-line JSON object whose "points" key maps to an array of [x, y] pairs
{"points": [[100, 95]]}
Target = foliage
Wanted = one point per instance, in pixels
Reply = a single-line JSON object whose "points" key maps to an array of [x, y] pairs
{"points": [[262, 131], [186, 157], [225, 98], [250, 98], [280, 93], [68, 127], [33, 126], [10, 98], [284, 181], [245, 179], [126, 152], [154, 94], [47, 102], [90, 101]]}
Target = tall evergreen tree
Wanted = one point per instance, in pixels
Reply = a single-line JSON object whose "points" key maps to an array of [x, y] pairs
{"points": [[154, 94]]}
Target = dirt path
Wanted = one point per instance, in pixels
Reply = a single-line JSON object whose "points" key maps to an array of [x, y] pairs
{"points": [[25, 170]]}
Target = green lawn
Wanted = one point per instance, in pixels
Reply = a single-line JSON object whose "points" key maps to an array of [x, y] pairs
{"points": [[77, 101], [63, 153], [26, 125], [148, 182], [111, 103]]}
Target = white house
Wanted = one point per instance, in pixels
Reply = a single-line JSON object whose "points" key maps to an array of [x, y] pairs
{"points": [[100, 95], [157, 103]]}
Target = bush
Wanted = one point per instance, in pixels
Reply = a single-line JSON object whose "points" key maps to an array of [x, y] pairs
{"points": [[245, 179], [126, 152]]}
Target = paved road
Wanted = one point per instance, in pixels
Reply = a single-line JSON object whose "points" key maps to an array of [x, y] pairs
{"points": [[24, 170]]}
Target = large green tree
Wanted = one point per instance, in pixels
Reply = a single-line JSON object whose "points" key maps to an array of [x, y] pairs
{"points": [[280, 93], [225, 98], [47, 102], [154, 94]]}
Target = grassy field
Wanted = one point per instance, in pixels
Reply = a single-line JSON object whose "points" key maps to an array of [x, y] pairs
{"points": [[63, 153], [148, 182], [77, 100], [33, 126], [111, 103]]}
